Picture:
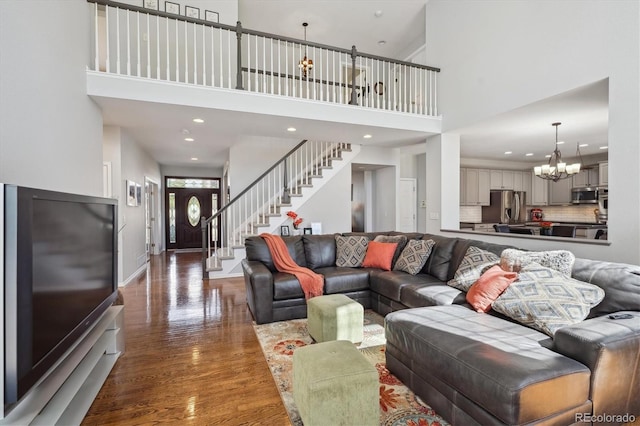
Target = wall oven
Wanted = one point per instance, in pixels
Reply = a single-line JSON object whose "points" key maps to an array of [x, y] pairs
{"points": [[584, 195]]}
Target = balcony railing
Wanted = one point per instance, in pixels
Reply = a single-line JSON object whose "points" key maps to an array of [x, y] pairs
{"points": [[138, 42]]}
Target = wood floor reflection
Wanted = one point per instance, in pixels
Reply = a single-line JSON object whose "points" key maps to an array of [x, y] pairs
{"points": [[191, 354]]}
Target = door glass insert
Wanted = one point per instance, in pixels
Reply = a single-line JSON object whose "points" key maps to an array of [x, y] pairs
{"points": [[193, 211], [193, 183], [172, 218]]}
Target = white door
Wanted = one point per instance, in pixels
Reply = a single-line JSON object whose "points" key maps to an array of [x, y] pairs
{"points": [[407, 203]]}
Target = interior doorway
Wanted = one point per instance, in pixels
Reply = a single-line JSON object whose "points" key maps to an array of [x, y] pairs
{"points": [[187, 201], [407, 205], [151, 203]]}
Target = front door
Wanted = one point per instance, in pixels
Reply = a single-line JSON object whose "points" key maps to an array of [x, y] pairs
{"points": [[185, 207]]}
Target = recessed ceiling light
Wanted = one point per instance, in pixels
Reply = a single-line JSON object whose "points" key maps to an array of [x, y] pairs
{"points": [[291, 129], [382, 42], [604, 147], [194, 158], [560, 142], [377, 13], [198, 120], [529, 154], [547, 156], [189, 139], [367, 136], [508, 152], [582, 145]]}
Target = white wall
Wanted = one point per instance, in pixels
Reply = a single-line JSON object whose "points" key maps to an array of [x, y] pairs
{"points": [[252, 156], [497, 56], [385, 188], [331, 205], [50, 131], [136, 164]]}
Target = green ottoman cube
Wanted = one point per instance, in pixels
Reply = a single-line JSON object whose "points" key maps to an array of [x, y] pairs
{"points": [[335, 317], [334, 384]]}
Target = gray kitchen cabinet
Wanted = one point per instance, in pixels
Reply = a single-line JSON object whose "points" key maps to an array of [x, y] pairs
{"points": [[603, 175], [586, 177], [539, 191], [560, 192], [502, 179], [476, 187]]}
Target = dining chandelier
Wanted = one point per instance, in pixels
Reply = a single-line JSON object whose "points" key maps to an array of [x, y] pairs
{"points": [[305, 64], [556, 168]]}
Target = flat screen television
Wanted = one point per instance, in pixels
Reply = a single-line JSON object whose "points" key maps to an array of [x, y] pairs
{"points": [[60, 274]]}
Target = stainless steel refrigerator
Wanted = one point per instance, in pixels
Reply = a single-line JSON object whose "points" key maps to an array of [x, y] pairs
{"points": [[506, 207]]}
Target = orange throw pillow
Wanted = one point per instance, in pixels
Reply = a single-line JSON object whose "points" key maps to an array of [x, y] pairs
{"points": [[379, 255], [489, 287]]}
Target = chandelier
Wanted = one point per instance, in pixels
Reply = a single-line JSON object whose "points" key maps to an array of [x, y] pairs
{"points": [[305, 64], [556, 168]]}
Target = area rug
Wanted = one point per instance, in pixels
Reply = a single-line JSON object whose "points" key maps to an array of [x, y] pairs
{"points": [[398, 405]]}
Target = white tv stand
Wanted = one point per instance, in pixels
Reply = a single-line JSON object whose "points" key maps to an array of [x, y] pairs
{"points": [[65, 394]]}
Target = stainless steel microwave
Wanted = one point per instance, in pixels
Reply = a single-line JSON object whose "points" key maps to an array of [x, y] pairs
{"points": [[584, 195]]}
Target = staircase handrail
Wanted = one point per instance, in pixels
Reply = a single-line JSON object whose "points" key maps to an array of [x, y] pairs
{"points": [[204, 222], [239, 29]]}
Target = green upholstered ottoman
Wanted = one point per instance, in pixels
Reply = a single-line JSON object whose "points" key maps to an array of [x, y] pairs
{"points": [[335, 317], [334, 384]]}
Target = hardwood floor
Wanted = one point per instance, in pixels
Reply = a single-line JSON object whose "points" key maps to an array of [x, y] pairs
{"points": [[191, 354]]}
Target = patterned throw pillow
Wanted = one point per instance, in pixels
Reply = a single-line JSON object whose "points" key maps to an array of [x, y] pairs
{"points": [[414, 256], [350, 251], [475, 262], [400, 240], [560, 260], [545, 299]]}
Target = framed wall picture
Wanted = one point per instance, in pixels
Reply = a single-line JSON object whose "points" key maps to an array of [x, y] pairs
{"points": [[192, 12], [131, 193], [171, 7], [284, 230], [150, 4], [138, 194], [211, 16], [308, 231]]}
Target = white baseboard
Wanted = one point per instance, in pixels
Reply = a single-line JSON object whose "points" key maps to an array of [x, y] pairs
{"points": [[133, 276]]}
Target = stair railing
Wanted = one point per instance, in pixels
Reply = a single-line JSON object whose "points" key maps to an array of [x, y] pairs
{"points": [[251, 209]]}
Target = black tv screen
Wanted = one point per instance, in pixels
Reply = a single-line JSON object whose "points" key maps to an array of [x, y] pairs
{"points": [[61, 251]]}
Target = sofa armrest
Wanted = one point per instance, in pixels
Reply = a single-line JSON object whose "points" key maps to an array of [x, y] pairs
{"points": [[258, 281], [611, 350]]}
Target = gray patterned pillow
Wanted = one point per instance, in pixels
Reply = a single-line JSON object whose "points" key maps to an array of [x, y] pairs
{"points": [[414, 256], [545, 299], [560, 260], [474, 263], [350, 251]]}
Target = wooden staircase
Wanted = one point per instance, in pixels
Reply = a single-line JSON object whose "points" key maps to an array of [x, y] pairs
{"points": [[262, 207]]}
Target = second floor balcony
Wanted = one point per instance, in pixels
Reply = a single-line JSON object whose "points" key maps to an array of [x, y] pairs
{"points": [[154, 46]]}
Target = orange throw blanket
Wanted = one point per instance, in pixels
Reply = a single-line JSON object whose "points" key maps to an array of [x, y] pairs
{"points": [[311, 283]]}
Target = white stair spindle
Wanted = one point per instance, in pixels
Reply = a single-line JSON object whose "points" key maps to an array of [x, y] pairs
{"points": [[177, 54], [229, 79], [271, 70], [138, 32], [220, 57], [256, 75], [158, 76], [168, 68], [108, 55], [264, 65], [128, 43], [204, 55], [186, 53], [195, 54], [96, 35], [213, 55], [117, 40]]}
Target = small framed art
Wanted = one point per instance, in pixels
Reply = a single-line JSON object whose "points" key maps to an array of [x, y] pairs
{"points": [[131, 193], [308, 231], [150, 4], [171, 7], [211, 16], [138, 194], [192, 12], [284, 230]]}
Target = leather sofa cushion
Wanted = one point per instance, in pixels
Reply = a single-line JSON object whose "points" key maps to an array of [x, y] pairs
{"points": [[503, 367], [439, 260], [256, 249], [432, 293], [320, 250], [620, 282], [286, 286], [342, 280], [390, 283]]}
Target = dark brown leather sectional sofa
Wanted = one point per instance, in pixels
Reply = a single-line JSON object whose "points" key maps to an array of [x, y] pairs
{"points": [[475, 368]]}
